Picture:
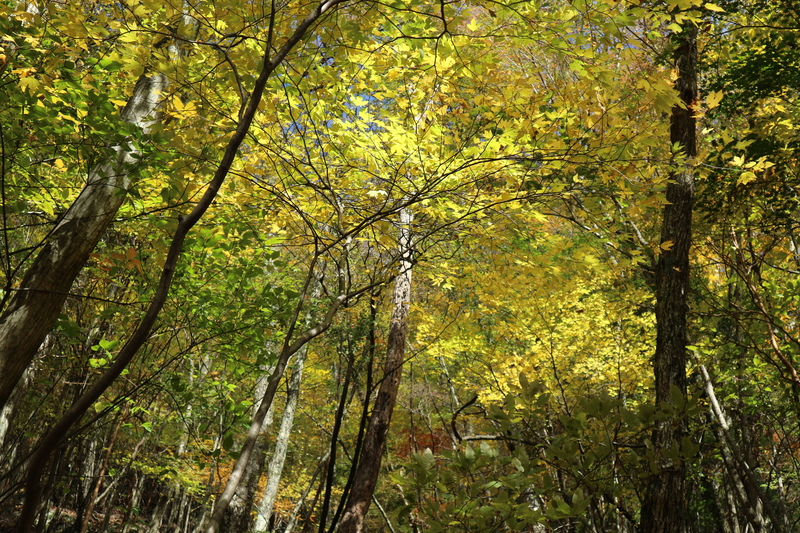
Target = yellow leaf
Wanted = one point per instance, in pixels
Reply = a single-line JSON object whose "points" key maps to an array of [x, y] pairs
{"points": [[24, 72], [713, 99], [59, 163], [31, 84], [713, 7], [745, 178], [667, 245], [128, 37]]}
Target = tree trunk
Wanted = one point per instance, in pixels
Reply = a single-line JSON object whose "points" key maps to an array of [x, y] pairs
{"points": [[133, 503], [664, 506], [334, 442], [366, 475], [743, 480], [278, 459], [93, 497], [161, 511], [58, 431], [37, 302], [7, 411], [290, 348], [237, 517]]}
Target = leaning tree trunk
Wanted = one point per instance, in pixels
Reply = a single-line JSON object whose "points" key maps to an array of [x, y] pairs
{"points": [[58, 431], [36, 304], [366, 475], [290, 347], [744, 483], [664, 505]]}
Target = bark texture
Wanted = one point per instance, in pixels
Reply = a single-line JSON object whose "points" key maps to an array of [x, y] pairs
{"points": [[275, 468], [743, 481], [38, 300], [664, 505], [366, 475], [58, 432], [238, 515], [246, 454]]}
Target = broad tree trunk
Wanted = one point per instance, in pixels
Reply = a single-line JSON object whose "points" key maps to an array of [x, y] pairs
{"points": [[58, 431], [366, 475], [664, 505], [37, 302]]}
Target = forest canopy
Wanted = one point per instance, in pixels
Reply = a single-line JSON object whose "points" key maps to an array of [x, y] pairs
{"points": [[401, 266]]}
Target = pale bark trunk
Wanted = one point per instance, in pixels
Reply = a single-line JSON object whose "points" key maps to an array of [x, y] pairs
{"points": [[37, 302], [727, 506], [237, 517], [7, 410], [186, 417], [382, 511], [93, 497], [288, 350], [161, 510], [58, 432], [275, 468], [744, 480], [664, 505], [781, 488], [366, 475], [133, 503], [86, 469]]}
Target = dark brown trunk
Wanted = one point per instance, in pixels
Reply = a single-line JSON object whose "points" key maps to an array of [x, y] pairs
{"points": [[366, 474], [664, 505]]}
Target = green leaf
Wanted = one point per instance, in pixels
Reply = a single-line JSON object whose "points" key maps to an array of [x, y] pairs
{"points": [[227, 442], [108, 345]]}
